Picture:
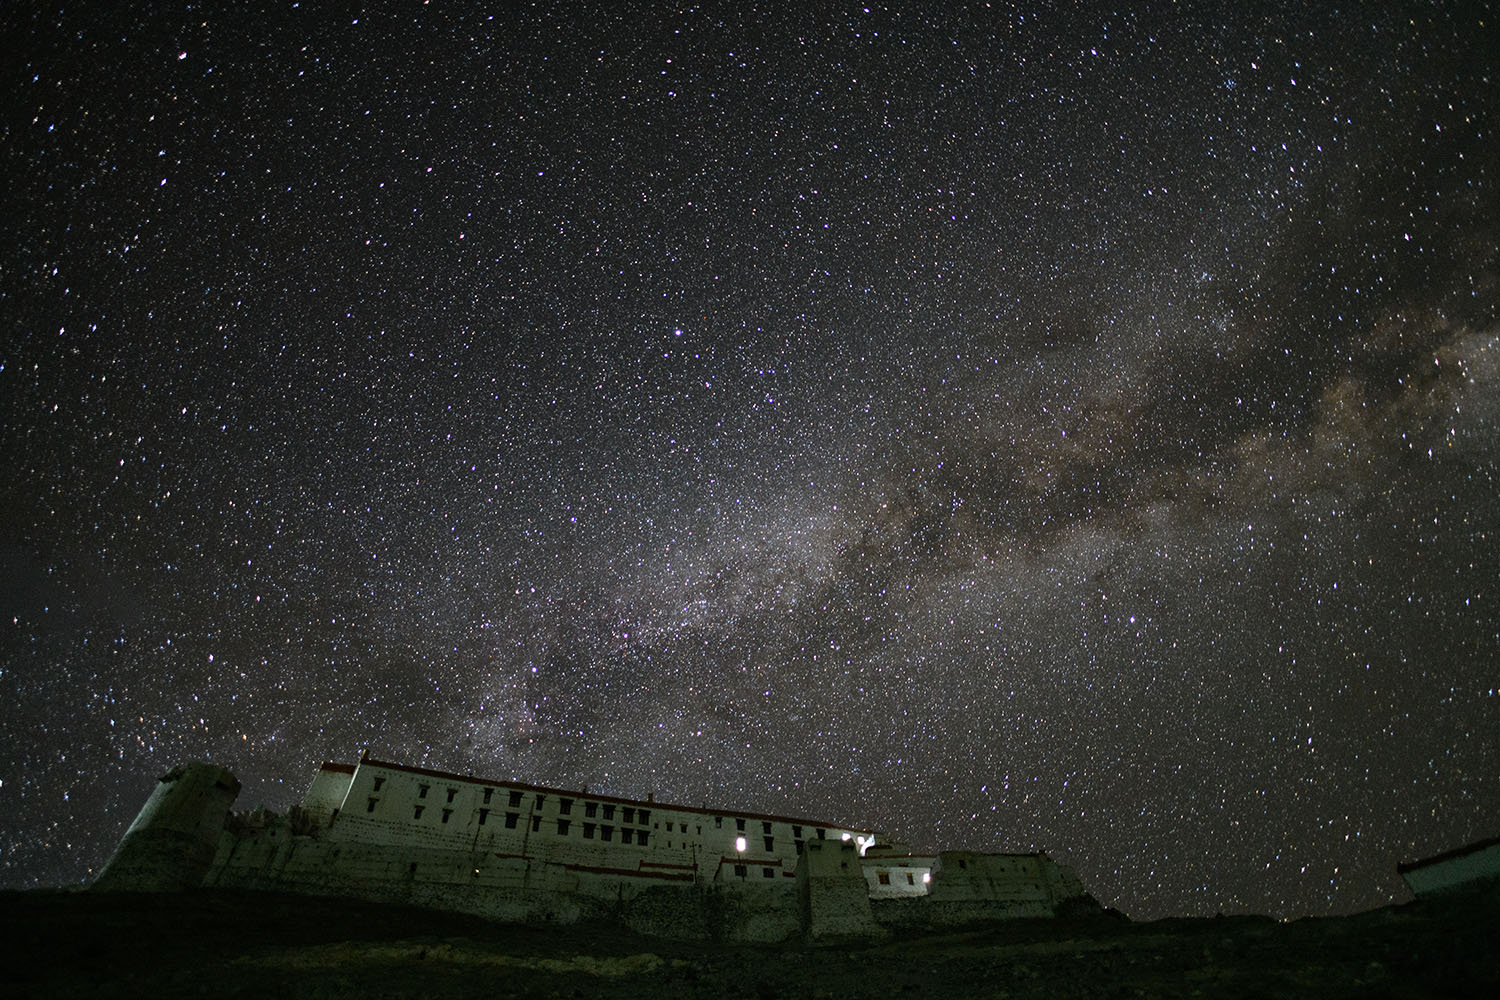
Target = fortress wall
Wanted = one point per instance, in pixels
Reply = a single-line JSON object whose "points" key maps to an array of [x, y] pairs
{"points": [[172, 841], [1008, 878], [917, 914], [832, 894], [508, 889]]}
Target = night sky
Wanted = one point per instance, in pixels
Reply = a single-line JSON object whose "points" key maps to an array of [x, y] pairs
{"points": [[1035, 427]]}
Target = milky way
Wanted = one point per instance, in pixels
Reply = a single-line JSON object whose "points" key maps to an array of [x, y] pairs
{"points": [[1029, 429]]}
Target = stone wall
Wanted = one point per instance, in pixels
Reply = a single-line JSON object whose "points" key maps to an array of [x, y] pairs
{"points": [[172, 842]]}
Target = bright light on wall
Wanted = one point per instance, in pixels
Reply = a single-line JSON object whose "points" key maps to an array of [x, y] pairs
{"points": [[926, 877], [739, 843], [848, 836]]}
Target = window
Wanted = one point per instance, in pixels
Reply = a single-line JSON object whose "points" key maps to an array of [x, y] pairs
{"points": [[645, 816], [625, 833], [422, 791], [487, 793], [416, 812], [740, 870], [447, 814], [739, 825], [628, 816], [796, 831], [378, 782], [412, 868], [588, 831], [641, 836], [452, 792], [539, 800], [769, 842], [515, 800], [565, 806], [590, 809], [767, 872], [370, 806], [822, 833], [511, 820], [606, 833], [609, 811], [910, 879], [799, 845], [718, 822], [765, 828], [484, 816], [884, 877], [536, 824], [562, 827]]}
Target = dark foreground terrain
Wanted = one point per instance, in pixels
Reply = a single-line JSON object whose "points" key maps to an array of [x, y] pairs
{"points": [[222, 944]]}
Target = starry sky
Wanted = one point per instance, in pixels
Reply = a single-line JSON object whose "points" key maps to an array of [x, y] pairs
{"points": [[1030, 427]]}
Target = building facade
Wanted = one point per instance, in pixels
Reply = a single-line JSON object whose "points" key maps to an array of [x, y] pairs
{"points": [[511, 851]]}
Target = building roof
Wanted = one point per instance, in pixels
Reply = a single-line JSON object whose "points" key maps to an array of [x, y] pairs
{"points": [[341, 768], [1457, 852]]}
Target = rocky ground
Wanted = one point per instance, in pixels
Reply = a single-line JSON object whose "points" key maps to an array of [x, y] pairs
{"points": [[222, 944]]}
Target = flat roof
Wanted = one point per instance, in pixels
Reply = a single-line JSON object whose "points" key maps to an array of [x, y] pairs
{"points": [[341, 768], [1457, 852]]}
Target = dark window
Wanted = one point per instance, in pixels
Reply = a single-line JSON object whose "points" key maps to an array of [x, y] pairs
{"points": [[447, 813], [645, 816], [641, 836], [718, 822], [487, 793], [765, 828], [822, 833], [416, 813], [628, 816], [484, 816], [625, 833], [609, 811], [590, 808], [511, 819], [588, 831], [370, 806], [412, 868], [378, 783], [740, 870], [452, 792], [910, 879], [798, 845], [536, 823], [884, 877], [768, 873], [422, 791], [769, 842], [606, 833], [562, 827], [796, 831], [515, 799], [739, 825], [565, 806], [539, 800]]}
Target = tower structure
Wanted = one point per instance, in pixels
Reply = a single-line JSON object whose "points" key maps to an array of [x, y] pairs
{"points": [[172, 842]]}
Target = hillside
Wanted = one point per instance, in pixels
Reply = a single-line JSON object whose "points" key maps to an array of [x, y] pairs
{"points": [[71, 944]]}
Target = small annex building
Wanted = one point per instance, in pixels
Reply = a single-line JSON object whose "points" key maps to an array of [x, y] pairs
{"points": [[1462, 869], [512, 851]]}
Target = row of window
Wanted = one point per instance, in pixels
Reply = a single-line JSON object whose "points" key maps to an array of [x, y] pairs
{"points": [[591, 810]]}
